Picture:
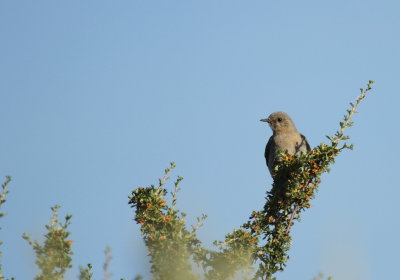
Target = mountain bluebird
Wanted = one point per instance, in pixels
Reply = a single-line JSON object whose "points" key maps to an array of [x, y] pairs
{"points": [[285, 137]]}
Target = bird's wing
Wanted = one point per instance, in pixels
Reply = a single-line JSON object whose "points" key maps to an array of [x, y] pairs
{"points": [[304, 140], [270, 148]]}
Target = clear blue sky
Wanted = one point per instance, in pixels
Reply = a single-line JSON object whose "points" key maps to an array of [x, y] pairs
{"points": [[97, 97]]}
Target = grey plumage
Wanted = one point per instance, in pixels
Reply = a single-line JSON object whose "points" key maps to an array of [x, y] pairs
{"points": [[285, 137]]}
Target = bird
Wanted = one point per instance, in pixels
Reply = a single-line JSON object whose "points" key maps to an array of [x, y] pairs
{"points": [[285, 137]]}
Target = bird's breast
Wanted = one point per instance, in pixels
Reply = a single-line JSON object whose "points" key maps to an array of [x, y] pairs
{"points": [[288, 142]]}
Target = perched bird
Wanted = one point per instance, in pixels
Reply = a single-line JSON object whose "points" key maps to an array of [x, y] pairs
{"points": [[285, 138]]}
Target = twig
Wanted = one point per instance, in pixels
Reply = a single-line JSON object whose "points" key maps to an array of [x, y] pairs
{"points": [[107, 274], [294, 212], [167, 171], [175, 193], [352, 111], [199, 223], [4, 190], [291, 219]]}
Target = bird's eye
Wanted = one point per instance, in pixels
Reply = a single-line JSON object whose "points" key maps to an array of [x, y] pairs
{"points": [[279, 119]]}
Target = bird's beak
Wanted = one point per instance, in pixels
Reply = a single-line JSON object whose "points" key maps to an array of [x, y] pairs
{"points": [[265, 120]]}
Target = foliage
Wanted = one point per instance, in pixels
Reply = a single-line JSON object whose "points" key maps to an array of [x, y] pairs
{"points": [[53, 257], [169, 243], [322, 277], [3, 195], [264, 239], [85, 273], [4, 192]]}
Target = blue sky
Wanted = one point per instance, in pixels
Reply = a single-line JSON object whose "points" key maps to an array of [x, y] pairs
{"points": [[97, 97]]}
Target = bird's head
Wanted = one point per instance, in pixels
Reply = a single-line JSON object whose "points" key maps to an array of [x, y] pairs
{"points": [[280, 122]]}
